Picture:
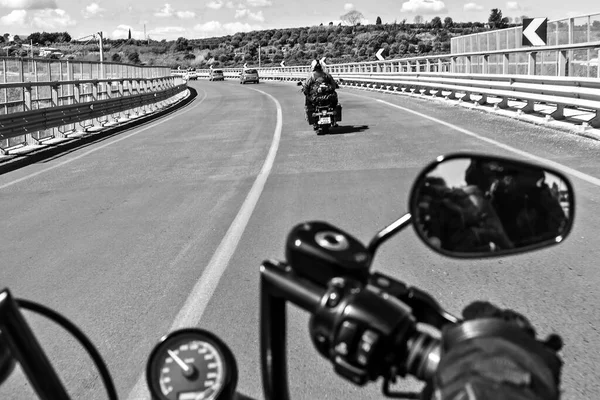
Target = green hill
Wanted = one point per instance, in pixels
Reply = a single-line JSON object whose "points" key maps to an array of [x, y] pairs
{"points": [[296, 46]]}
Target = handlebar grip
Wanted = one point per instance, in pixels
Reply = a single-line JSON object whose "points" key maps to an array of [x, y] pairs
{"points": [[285, 283]]}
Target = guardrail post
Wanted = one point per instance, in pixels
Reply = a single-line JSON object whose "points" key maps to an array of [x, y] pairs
{"points": [[54, 94], [428, 65], [468, 64], [453, 65], [531, 56], [485, 67], [76, 93], [598, 66], [559, 113], [562, 63], [505, 63], [27, 97], [27, 101]]}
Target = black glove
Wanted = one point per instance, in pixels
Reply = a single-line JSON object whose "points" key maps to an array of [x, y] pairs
{"points": [[494, 355]]}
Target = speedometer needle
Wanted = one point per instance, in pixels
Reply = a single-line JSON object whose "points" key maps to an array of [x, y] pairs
{"points": [[179, 361]]}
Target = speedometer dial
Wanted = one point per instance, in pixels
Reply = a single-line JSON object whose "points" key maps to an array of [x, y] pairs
{"points": [[191, 364]]}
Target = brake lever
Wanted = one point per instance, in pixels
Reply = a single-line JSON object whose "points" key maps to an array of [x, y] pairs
{"points": [[424, 307]]}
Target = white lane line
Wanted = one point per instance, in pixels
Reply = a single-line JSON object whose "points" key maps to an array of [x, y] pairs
{"points": [[60, 164], [567, 170], [204, 288]]}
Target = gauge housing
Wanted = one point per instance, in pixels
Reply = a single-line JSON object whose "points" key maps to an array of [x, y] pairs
{"points": [[159, 355]]}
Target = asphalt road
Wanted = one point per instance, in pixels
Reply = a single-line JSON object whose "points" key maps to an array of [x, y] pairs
{"points": [[117, 235]]}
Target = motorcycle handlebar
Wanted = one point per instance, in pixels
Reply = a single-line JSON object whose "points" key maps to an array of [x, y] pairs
{"points": [[403, 349]]}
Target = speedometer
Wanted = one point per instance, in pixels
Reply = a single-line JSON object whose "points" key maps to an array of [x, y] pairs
{"points": [[191, 364]]}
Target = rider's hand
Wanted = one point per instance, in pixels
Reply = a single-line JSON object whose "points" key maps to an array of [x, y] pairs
{"points": [[494, 355]]}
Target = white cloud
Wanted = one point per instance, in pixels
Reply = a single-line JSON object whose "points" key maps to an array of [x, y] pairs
{"points": [[259, 3], [230, 4], [169, 11], [348, 7], [424, 6], [52, 19], [472, 7], [185, 14], [245, 13], [28, 4], [166, 11], [39, 19], [513, 6], [92, 10], [215, 28], [215, 5], [16, 17]]}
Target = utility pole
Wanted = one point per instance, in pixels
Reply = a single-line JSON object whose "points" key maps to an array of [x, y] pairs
{"points": [[101, 46], [31, 52], [259, 55], [101, 55]]}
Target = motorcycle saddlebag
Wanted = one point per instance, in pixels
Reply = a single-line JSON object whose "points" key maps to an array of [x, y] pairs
{"points": [[338, 112]]}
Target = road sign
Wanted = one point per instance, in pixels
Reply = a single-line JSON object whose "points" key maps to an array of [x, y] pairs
{"points": [[245, 65], [322, 61], [282, 63], [211, 67], [379, 56], [535, 31]]}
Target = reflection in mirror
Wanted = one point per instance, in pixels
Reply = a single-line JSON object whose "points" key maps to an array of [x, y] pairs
{"points": [[478, 206]]}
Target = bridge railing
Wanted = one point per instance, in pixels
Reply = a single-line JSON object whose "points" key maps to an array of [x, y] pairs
{"points": [[42, 99], [556, 60], [531, 75]]}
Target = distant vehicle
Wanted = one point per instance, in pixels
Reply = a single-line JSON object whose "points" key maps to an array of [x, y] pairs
{"points": [[216, 75], [192, 75], [249, 75]]}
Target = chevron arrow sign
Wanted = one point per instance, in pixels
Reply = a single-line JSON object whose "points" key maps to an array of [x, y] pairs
{"points": [[535, 31]]}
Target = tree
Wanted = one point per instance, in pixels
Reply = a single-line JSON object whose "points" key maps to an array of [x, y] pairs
{"points": [[448, 23], [129, 37], [418, 19], [436, 23], [352, 17], [378, 21], [116, 57], [496, 21], [134, 57], [181, 44]]}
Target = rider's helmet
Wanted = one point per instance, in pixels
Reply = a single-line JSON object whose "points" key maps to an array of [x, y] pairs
{"points": [[315, 65]]}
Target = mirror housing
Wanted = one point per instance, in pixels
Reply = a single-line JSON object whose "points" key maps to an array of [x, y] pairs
{"points": [[476, 206], [299, 83]]}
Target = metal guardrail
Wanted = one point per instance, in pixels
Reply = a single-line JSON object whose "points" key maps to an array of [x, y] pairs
{"points": [[39, 97], [556, 60], [509, 74], [561, 92], [22, 123]]}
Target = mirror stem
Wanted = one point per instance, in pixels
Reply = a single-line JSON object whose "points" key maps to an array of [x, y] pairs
{"points": [[387, 232]]}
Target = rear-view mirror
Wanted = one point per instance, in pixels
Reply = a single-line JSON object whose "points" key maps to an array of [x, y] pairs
{"points": [[482, 206]]}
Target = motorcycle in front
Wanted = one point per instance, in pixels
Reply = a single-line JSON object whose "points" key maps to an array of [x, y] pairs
{"points": [[325, 112], [369, 325]]}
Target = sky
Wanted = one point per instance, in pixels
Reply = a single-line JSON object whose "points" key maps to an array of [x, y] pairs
{"points": [[210, 18]]}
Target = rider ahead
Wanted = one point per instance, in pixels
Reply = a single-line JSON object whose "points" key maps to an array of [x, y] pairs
{"points": [[318, 88]]}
